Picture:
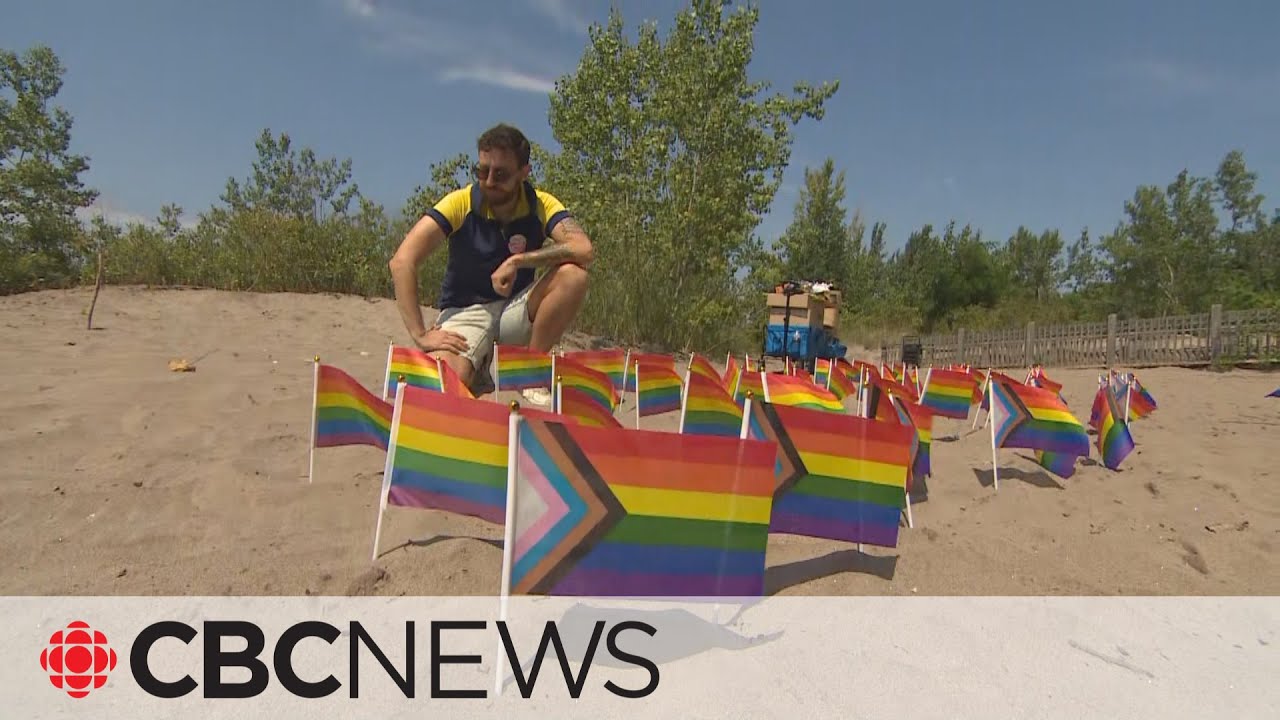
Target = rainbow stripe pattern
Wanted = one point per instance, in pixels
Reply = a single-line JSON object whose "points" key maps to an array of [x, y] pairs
{"points": [[708, 409], [748, 381], [658, 360], [840, 477], [1114, 441], [612, 362], [841, 384], [699, 365], [948, 393], [418, 368], [658, 388], [799, 391], [1061, 464], [576, 403], [348, 414], [621, 512], [450, 453], [519, 368], [920, 418], [597, 385], [1034, 418]]}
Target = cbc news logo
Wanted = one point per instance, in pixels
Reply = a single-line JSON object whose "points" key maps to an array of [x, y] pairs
{"points": [[78, 659]]}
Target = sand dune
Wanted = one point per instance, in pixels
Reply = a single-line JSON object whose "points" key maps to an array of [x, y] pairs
{"points": [[123, 477]]}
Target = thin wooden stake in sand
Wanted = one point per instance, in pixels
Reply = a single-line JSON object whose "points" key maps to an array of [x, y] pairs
{"points": [[97, 288]]}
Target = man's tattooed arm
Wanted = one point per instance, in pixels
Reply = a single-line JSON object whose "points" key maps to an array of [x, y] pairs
{"points": [[568, 243]]}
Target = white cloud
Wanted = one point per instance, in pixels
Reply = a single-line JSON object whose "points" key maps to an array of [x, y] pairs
{"points": [[442, 41], [499, 76], [562, 13], [121, 217]]}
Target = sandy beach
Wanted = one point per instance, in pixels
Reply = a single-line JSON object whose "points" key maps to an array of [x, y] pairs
{"points": [[122, 477]]}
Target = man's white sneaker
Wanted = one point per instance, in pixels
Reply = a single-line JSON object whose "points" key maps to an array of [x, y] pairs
{"points": [[537, 396]]}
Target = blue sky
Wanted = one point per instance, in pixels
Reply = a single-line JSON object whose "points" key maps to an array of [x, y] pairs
{"points": [[997, 114]]}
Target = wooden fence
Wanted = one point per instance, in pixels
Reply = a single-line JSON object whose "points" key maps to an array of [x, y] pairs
{"points": [[1230, 337]]}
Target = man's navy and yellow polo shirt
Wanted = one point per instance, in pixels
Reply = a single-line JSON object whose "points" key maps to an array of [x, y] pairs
{"points": [[479, 243]]}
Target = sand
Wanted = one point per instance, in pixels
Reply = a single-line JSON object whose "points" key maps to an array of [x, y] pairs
{"points": [[123, 477]]}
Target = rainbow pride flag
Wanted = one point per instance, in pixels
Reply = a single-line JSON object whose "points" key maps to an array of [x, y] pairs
{"points": [[799, 391], [418, 368], [1034, 418], [612, 362], [519, 368], [709, 409], [621, 512], [732, 371], [346, 413], [1114, 441], [594, 383], [839, 477], [1061, 464], [748, 382], [1141, 404], [920, 418], [699, 365], [948, 393], [842, 385], [822, 373], [657, 360], [450, 453], [659, 389], [576, 403]]}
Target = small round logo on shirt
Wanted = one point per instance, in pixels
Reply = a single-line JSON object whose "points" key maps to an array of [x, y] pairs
{"points": [[516, 244]]}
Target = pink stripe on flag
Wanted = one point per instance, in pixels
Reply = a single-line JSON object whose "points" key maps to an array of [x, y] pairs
{"points": [[556, 507]]}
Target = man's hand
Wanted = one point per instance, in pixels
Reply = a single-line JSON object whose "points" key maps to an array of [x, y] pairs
{"points": [[504, 278], [439, 339]]}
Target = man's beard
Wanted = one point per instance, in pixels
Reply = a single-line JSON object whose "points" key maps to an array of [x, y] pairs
{"points": [[498, 197]]}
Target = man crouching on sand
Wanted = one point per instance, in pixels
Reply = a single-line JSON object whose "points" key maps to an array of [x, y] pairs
{"points": [[499, 231]]}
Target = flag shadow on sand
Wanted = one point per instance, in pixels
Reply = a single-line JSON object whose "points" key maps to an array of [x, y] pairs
{"points": [[1038, 478], [679, 634]]}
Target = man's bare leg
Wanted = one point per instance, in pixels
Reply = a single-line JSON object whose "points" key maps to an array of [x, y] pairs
{"points": [[460, 365], [554, 303]]}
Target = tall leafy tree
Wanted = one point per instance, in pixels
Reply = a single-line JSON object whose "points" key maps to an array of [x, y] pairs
{"points": [[40, 184], [293, 182], [671, 154], [818, 244]]}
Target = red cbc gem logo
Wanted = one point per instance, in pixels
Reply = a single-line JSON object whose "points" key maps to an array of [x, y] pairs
{"points": [[78, 659]]}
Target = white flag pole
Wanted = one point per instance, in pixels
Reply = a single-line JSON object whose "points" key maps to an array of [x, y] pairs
{"points": [[509, 533], [386, 377], [315, 418], [991, 412], [684, 396], [386, 470]]}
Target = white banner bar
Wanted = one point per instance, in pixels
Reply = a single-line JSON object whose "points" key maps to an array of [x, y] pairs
{"points": [[810, 657]]}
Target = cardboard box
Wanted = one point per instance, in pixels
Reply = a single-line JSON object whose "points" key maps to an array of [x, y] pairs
{"points": [[831, 313]]}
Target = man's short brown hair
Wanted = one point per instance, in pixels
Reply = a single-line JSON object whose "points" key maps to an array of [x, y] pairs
{"points": [[505, 137]]}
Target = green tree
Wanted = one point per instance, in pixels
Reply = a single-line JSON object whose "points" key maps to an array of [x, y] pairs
{"points": [[818, 244], [294, 183], [670, 158], [40, 185]]}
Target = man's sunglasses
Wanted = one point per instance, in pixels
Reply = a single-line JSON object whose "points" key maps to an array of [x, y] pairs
{"points": [[484, 171]]}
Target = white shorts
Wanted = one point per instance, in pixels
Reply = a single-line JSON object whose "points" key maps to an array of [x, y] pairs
{"points": [[504, 322]]}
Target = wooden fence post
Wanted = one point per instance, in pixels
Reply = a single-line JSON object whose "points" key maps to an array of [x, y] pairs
{"points": [[1028, 346], [1112, 348], [960, 356], [1215, 333]]}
